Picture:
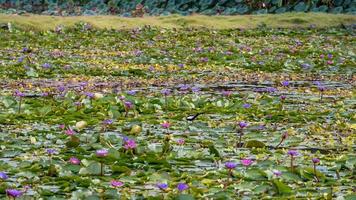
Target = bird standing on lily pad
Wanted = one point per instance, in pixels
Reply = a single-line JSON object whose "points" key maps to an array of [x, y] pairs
{"points": [[193, 117]]}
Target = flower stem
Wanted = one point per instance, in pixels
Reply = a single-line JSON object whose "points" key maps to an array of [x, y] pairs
{"points": [[230, 176], [316, 175], [291, 163], [20, 102], [240, 139], [101, 169], [279, 143], [165, 102]]}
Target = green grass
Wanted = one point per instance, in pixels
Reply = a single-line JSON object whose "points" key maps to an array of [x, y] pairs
{"points": [[40, 22]]}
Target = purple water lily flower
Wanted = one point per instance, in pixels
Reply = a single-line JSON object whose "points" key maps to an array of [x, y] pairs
{"points": [[13, 193], [246, 105], [20, 59], [44, 94], [128, 104], [283, 97], [229, 53], [316, 83], [183, 87], [51, 151], [25, 50], [90, 95], [108, 121], [305, 65], [181, 65], [61, 88], [180, 141], [162, 186], [285, 83], [321, 88], [316, 160], [271, 89], [277, 173], [46, 66], [102, 152], [293, 153], [19, 94], [195, 89], [227, 93], [205, 59], [261, 127], [122, 97], [182, 186], [242, 124], [3, 176], [230, 165], [131, 92], [138, 52], [166, 92]]}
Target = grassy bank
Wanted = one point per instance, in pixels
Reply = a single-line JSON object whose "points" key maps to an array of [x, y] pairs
{"points": [[39, 22]]}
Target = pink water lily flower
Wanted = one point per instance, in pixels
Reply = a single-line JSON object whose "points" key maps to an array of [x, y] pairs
{"points": [[246, 162], [116, 183]]}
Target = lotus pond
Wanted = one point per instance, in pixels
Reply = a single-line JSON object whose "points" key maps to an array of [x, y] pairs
{"points": [[154, 113]]}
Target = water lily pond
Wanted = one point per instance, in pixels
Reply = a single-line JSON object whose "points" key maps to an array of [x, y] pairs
{"points": [[193, 113]]}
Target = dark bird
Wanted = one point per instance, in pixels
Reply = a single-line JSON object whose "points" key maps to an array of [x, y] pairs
{"points": [[193, 117]]}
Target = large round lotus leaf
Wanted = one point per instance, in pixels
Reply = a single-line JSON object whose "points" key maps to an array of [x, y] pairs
{"points": [[208, 12], [230, 11], [353, 5], [301, 7], [338, 2], [181, 2], [272, 9], [89, 12], [156, 11], [336, 10], [242, 9], [261, 11], [193, 9], [281, 10], [28, 8], [205, 4], [346, 3], [314, 9], [165, 13], [323, 8], [350, 10], [276, 2], [126, 14], [227, 3]]}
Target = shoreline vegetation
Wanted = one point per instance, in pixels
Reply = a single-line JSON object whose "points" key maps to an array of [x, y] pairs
{"points": [[287, 20]]}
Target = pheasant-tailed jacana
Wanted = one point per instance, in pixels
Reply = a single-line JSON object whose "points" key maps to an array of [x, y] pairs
{"points": [[193, 117]]}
